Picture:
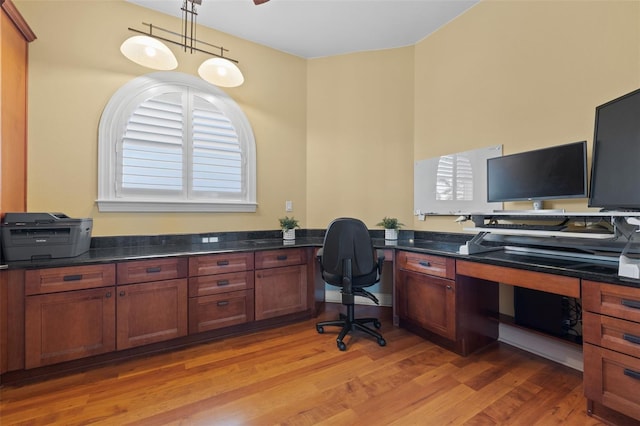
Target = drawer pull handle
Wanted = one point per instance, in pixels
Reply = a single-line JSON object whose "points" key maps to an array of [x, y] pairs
{"points": [[154, 269], [122, 293], [631, 303], [223, 303], [631, 338], [223, 283], [424, 263], [282, 257], [630, 373], [77, 277], [108, 295], [449, 287], [223, 262]]}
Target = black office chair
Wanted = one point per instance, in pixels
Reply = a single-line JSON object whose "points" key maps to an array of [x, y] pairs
{"points": [[348, 260]]}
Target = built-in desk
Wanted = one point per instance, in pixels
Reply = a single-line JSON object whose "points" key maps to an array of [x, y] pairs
{"points": [[460, 312]]}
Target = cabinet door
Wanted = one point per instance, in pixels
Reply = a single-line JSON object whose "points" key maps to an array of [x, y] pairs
{"points": [[428, 302], [281, 291], [612, 379], [151, 312], [65, 326]]}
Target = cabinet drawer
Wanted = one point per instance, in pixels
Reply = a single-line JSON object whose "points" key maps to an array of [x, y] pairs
{"points": [[220, 310], [427, 264], [612, 379], [220, 263], [152, 270], [53, 280], [612, 333], [275, 258], [610, 299], [220, 283]]}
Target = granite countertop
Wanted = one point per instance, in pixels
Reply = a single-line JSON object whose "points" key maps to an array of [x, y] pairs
{"points": [[441, 244]]}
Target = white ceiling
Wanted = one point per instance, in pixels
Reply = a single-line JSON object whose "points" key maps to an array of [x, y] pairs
{"points": [[318, 28]]}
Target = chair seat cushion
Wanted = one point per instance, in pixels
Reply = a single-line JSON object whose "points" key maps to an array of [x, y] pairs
{"points": [[360, 281]]}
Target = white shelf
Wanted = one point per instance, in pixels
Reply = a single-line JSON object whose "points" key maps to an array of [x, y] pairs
{"points": [[566, 234], [553, 213]]}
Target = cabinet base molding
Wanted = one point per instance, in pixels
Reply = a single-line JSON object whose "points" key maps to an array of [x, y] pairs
{"points": [[562, 353]]}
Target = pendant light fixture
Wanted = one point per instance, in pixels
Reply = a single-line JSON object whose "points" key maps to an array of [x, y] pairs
{"points": [[149, 50]]}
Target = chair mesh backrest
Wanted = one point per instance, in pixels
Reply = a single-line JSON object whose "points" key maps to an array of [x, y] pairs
{"points": [[348, 238]]}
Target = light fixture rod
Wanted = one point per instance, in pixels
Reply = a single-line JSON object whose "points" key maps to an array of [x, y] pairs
{"points": [[182, 44]]}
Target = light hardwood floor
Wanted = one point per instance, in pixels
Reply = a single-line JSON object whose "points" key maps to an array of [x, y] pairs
{"points": [[294, 376]]}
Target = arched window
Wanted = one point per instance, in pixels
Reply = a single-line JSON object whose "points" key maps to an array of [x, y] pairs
{"points": [[170, 141]]}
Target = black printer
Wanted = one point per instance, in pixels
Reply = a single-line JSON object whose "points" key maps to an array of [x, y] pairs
{"points": [[31, 236]]}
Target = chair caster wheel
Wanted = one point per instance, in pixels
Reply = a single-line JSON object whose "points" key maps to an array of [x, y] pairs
{"points": [[377, 324], [319, 329], [382, 342], [342, 346]]}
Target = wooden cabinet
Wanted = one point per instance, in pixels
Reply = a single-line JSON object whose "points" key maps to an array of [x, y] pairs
{"points": [[151, 312], [12, 320], [455, 311], [611, 331], [155, 308], [69, 313], [15, 36], [220, 291], [71, 325], [281, 283], [426, 292]]}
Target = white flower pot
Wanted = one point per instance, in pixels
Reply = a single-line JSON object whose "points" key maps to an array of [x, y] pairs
{"points": [[390, 234], [289, 234]]}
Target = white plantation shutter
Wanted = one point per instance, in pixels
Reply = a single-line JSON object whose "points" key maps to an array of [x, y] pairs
{"points": [[216, 152], [152, 147], [172, 142]]}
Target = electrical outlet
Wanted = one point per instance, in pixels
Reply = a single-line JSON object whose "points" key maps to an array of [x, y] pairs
{"points": [[288, 206]]}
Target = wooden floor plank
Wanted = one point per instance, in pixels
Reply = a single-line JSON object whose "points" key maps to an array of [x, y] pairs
{"points": [[294, 376]]}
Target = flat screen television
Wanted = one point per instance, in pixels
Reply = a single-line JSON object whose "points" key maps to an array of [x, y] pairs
{"points": [[556, 172], [615, 168]]}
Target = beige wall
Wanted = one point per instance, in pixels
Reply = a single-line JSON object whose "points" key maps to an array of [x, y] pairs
{"points": [[76, 66], [337, 136], [360, 137], [523, 74]]}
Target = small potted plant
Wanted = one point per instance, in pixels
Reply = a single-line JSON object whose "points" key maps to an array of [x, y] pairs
{"points": [[288, 226], [391, 227]]}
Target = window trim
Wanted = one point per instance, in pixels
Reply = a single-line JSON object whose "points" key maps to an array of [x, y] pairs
{"points": [[116, 110]]}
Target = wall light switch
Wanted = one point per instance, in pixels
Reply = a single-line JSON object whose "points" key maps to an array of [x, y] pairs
{"points": [[288, 206]]}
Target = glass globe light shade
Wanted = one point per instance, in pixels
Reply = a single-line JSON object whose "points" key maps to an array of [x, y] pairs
{"points": [[221, 72], [149, 52]]}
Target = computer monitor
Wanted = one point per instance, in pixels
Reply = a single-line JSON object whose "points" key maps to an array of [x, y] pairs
{"points": [[615, 169], [557, 172]]}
